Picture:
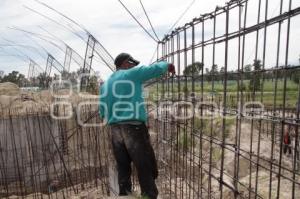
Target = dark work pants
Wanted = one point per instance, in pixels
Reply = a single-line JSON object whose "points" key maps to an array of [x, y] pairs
{"points": [[131, 143]]}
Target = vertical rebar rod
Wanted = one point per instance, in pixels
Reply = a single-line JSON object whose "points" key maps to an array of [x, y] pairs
{"points": [[239, 102], [193, 96], [261, 98], [284, 97], [296, 149], [224, 101], [275, 102], [202, 100], [178, 158], [212, 100]]}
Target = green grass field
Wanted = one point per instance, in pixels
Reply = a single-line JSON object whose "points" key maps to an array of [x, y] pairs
{"points": [[216, 89]]}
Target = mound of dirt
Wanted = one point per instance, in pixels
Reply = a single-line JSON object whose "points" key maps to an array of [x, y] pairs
{"points": [[10, 89], [6, 100]]}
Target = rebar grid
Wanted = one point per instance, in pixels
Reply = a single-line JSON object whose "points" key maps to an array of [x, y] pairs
{"points": [[220, 133], [46, 158]]}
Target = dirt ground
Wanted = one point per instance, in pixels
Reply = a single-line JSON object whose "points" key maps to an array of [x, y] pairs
{"points": [[263, 177]]}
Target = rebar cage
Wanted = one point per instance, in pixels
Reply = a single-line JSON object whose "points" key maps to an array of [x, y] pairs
{"points": [[222, 121], [45, 157], [225, 126]]}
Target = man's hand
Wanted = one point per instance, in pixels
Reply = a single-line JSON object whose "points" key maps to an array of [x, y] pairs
{"points": [[171, 69]]}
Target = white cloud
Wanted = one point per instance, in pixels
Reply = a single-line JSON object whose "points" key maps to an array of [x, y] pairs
{"points": [[112, 26]]}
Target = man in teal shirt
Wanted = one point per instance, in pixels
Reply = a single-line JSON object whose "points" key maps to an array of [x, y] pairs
{"points": [[122, 106]]}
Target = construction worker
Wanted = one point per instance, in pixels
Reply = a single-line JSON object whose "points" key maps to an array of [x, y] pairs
{"points": [[287, 141], [122, 106]]}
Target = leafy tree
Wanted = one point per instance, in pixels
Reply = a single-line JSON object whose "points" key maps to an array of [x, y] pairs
{"points": [[56, 76], [214, 70], [11, 77], [222, 70], [211, 72], [73, 77], [22, 81], [93, 86], [296, 74], [254, 84], [247, 70], [1, 75], [207, 71], [70, 76], [16, 78], [44, 80], [193, 68]]}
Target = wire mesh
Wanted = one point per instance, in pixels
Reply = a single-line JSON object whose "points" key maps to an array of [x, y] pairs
{"points": [[222, 121], [220, 125], [44, 157]]}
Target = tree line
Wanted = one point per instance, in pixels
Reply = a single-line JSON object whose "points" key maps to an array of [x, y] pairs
{"points": [[252, 72], [43, 81], [14, 77]]}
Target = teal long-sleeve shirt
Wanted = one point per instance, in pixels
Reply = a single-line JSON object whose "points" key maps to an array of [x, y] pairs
{"points": [[121, 95]]}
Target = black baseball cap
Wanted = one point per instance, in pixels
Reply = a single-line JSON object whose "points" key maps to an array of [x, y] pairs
{"points": [[125, 56]]}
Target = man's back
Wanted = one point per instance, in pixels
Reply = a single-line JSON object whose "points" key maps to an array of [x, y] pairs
{"points": [[121, 97]]}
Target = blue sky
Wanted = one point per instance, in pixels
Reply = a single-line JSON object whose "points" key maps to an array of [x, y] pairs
{"points": [[112, 26]]}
